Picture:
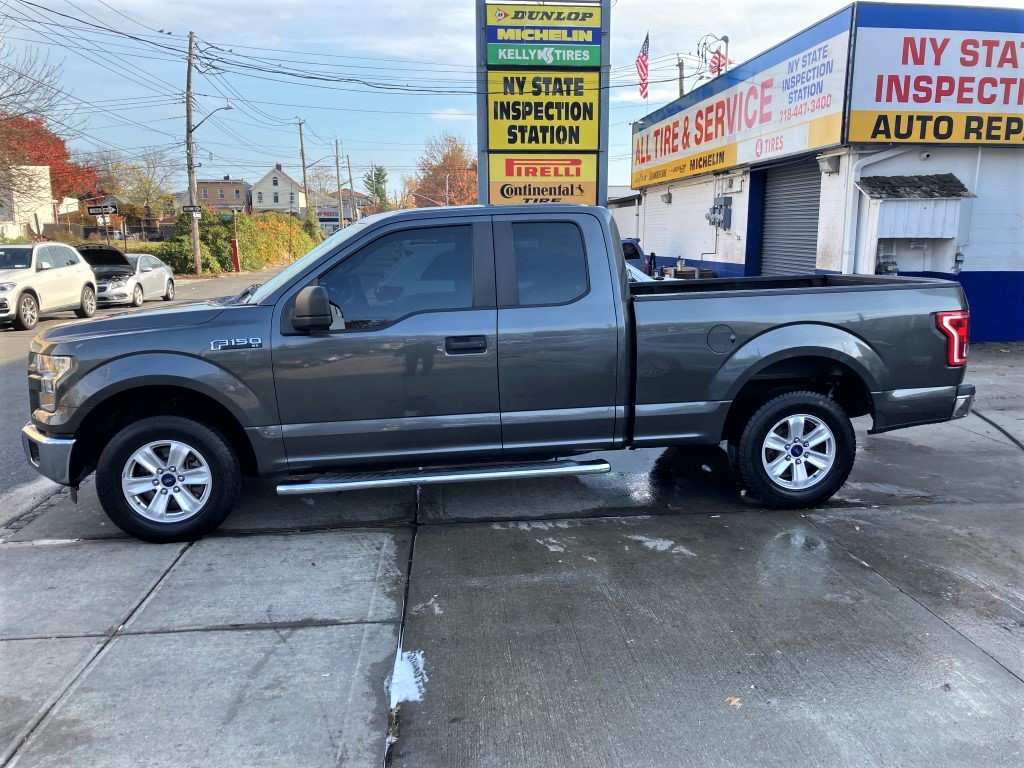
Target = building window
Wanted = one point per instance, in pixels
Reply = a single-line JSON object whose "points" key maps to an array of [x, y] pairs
{"points": [[275, 198], [291, 197], [220, 193], [273, 182], [238, 195], [259, 197], [206, 193]]}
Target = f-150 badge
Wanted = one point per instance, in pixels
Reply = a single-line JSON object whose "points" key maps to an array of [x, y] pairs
{"points": [[219, 344]]}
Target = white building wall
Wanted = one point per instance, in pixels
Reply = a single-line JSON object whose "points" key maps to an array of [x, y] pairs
{"points": [[679, 229], [832, 215], [627, 218], [991, 228]]}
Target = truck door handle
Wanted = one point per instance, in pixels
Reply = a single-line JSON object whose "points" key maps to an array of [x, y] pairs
{"points": [[465, 345]]}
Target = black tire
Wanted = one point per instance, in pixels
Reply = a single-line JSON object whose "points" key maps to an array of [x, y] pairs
{"points": [[87, 307], [137, 296], [27, 315], [766, 439], [169, 293], [185, 521]]}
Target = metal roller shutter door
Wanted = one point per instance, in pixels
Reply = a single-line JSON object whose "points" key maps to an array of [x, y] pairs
{"points": [[789, 239]]}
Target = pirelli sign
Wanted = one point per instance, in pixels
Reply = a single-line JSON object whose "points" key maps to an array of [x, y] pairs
{"points": [[532, 178], [542, 114]]}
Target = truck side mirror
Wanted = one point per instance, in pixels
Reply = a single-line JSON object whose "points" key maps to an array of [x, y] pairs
{"points": [[312, 311]]}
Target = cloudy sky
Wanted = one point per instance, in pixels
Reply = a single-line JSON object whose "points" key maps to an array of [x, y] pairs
{"points": [[406, 71]]}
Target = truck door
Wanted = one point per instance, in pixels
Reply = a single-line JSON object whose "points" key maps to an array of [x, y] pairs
{"points": [[409, 370], [558, 335]]}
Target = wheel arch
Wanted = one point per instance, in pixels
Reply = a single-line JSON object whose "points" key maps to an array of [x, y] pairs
{"points": [[117, 409], [814, 357]]}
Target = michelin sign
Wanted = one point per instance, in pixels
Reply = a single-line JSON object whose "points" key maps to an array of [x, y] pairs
{"points": [[542, 118]]}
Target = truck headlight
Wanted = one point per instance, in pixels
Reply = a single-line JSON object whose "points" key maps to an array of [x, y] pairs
{"points": [[5, 287], [49, 369]]}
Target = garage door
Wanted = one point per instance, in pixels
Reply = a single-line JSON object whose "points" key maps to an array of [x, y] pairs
{"points": [[789, 238]]}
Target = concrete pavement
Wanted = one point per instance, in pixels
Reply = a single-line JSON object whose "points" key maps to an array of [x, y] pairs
{"points": [[652, 617]]}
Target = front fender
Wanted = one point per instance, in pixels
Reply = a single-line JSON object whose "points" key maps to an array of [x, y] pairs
{"points": [[156, 369], [798, 340]]}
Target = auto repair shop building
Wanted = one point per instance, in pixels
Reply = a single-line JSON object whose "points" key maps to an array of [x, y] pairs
{"points": [[883, 138]]}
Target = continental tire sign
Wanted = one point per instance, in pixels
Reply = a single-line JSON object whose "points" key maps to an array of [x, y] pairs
{"points": [[542, 124], [516, 178]]}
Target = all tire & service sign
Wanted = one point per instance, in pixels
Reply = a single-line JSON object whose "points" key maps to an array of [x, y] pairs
{"points": [[787, 101], [541, 119], [934, 74]]}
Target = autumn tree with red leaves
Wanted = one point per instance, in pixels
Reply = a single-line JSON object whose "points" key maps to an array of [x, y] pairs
{"points": [[27, 141]]}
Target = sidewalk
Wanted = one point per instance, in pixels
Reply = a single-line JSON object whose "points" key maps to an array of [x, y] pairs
{"points": [[651, 617]]}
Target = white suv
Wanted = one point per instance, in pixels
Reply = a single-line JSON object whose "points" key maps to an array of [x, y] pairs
{"points": [[40, 278]]}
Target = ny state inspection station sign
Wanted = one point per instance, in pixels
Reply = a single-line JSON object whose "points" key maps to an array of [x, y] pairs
{"points": [[541, 116]]}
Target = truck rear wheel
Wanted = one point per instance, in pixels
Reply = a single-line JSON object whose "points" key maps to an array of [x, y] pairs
{"points": [[796, 451], [166, 478]]}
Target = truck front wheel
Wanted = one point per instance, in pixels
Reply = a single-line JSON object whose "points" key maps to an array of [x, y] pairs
{"points": [[166, 478], [796, 451]]}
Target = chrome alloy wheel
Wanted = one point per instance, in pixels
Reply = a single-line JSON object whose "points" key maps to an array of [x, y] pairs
{"points": [[29, 310], [798, 452], [89, 303], [166, 481]]}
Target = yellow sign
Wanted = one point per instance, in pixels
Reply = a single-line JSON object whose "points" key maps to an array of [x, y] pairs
{"points": [[543, 110], [532, 178], [512, 15], [932, 127]]}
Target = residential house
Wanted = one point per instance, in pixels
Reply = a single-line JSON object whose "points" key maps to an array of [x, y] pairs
{"points": [[277, 191], [223, 195], [26, 201]]}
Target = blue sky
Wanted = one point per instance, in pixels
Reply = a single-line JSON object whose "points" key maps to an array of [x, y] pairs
{"points": [[126, 90]]}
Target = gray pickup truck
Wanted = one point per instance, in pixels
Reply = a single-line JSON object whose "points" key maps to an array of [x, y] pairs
{"points": [[457, 344]]}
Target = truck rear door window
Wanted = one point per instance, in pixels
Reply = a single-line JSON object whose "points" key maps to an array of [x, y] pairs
{"points": [[550, 262]]}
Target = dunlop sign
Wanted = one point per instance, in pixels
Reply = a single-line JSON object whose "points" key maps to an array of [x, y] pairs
{"points": [[549, 35], [536, 109], [521, 178], [540, 118]]}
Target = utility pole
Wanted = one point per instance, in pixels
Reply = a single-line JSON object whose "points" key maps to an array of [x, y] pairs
{"points": [[355, 213], [682, 87], [190, 154], [302, 154], [337, 175]]}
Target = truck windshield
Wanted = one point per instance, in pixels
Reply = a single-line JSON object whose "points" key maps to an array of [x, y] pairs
{"points": [[15, 256], [297, 267]]}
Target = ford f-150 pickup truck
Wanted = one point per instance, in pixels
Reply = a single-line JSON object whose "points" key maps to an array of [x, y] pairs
{"points": [[459, 344]]}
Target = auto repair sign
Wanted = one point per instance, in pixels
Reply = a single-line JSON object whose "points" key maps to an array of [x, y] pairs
{"points": [[928, 74]]}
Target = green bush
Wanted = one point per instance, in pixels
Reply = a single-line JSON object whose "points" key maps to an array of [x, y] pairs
{"points": [[214, 245], [270, 239]]}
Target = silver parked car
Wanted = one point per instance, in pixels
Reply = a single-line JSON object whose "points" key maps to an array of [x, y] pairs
{"points": [[40, 278], [127, 279]]}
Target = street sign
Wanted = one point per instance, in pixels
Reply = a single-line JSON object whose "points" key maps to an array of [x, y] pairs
{"points": [[197, 215], [192, 208], [102, 210]]}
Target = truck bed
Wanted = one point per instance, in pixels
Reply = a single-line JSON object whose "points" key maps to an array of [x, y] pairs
{"points": [[784, 283]]}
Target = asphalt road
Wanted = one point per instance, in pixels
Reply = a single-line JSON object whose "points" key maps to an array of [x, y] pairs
{"points": [[20, 485]]}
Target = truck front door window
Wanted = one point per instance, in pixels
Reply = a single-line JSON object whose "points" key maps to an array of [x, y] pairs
{"points": [[402, 273], [550, 262]]}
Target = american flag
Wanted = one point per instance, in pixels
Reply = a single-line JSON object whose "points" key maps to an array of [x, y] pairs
{"points": [[641, 64], [718, 63]]}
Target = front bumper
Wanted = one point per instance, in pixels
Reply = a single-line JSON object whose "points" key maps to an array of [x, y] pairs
{"points": [[964, 401], [51, 456]]}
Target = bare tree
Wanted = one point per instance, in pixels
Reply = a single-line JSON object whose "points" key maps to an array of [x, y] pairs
{"points": [[323, 184], [143, 181]]}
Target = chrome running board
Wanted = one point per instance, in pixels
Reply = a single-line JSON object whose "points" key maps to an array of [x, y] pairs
{"points": [[391, 478]]}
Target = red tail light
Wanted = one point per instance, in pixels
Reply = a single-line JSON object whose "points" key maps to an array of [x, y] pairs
{"points": [[955, 326]]}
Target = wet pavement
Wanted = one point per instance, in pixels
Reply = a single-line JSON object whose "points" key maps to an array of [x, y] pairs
{"points": [[650, 617]]}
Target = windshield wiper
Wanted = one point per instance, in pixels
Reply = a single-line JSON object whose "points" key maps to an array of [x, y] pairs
{"points": [[246, 293]]}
